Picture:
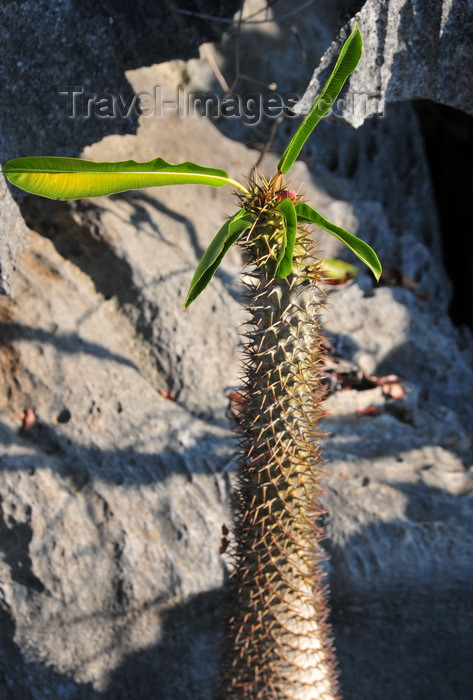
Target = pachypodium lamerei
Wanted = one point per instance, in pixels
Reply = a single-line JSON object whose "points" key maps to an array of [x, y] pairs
{"points": [[277, 640], [278, 644]]}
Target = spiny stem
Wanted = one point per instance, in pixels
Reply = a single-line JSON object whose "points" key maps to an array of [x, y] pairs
{"points": [[278, 645]]}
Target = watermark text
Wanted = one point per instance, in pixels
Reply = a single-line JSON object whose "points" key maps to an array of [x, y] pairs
{"points": [[251, 108]]}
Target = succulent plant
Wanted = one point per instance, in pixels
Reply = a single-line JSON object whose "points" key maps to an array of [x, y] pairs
{"points": [[277, 636]]}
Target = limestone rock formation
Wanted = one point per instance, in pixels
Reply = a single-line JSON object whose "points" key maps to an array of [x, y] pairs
{"points": [[59, 59], [117, 453], [49, 47], [412, 51], [13, 236]]}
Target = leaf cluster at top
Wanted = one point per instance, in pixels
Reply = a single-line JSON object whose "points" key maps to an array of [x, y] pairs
{"points": [[72, 178]]}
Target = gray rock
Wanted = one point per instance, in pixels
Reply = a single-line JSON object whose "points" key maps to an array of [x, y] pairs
{"points": [[419, 51], [56, 56], [399, 497], [51, 46], [13, 237], [113, 498], [400, 575], [393, 331], [111, 503]]}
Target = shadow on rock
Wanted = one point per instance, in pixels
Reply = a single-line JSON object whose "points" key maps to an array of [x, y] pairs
{"points": [[402, 600], [51, 55], [182, 666]]}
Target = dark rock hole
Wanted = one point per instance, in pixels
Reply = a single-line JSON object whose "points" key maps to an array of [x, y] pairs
{"points": [[448, 139], [64, 416]]}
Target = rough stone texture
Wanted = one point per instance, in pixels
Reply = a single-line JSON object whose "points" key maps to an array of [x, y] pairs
{"points": [[400, 542], [418, 50], [49, 46], [112, 502], [13, 237], [412, 340]]}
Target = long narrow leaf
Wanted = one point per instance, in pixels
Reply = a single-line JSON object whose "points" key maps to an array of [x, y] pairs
{"points": [[230, 232], [307, 215], [284, 264], [282, 249], [73, 178], [344, 67]]}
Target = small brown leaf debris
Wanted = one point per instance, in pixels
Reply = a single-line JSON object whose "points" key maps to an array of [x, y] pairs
{"points": [[237, 403], [368, 411], [393, 277], [28, 419], [166, 395], [391, 385], [224, 541]]}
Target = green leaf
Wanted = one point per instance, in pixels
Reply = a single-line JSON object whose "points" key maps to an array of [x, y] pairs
{"points": [[282, 248], [307, 215], [230, 232], [73, 178], [336, 269], [346, 63], [284, 262]]}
